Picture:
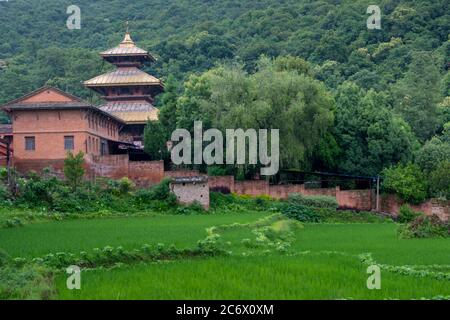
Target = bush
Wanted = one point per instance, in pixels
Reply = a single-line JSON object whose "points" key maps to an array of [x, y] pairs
{"points": [[313, 201], [4, 258], [37, 192], [407, 181], [440, 180], [194, 208], [406, 214], [425, 227], [27, 282], [349, 216], [121, 187], [300, 213], [3, 173], [160, 191], [73, 169], [4, 193]]}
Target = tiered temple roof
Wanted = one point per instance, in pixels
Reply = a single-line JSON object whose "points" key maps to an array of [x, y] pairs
{"points": [[129, 91]]}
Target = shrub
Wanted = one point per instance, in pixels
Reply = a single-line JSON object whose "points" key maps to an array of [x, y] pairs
{"points": [[313, 201], [3, 173], [121, 187], [27, 282], [193, 208], [440, 180], [4, 258], [300, 213], [425, 227], [407, 181], [73, 169], [349, 216], [160, 191], [406, 214], [14, 222], [4, 193], [36, 191]]}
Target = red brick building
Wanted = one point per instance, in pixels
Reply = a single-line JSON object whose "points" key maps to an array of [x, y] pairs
{"points": [[48, 123]]}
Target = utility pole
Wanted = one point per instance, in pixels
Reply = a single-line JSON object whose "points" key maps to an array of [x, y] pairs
{"points": [[378, 194]]}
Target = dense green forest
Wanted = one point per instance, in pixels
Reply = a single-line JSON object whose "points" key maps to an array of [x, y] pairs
{"points": [[346, 98]]}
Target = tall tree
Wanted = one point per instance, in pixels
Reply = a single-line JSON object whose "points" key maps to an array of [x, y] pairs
{"points": [[418, 93], [168, 105], [370, 135], [277, 96]]}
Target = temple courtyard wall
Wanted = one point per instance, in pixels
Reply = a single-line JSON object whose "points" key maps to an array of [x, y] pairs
{"points": [[148, 173]]}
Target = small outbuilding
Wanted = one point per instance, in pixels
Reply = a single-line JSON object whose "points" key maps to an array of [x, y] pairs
{"points": [[191, 189]]}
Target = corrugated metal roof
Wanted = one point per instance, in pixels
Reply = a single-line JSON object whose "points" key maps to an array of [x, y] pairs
{"points": [[121, 76], [123, 106], [137, 117]]}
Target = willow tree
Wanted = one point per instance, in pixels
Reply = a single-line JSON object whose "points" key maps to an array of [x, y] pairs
{"points": [[273, 97]]}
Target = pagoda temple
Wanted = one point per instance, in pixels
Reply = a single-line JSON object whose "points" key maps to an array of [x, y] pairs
{"points": [[128, 91]]}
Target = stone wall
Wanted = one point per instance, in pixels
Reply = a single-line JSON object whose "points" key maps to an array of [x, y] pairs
{"points": [[187, 193]]}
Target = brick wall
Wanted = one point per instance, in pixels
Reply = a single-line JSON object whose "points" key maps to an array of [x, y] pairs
{"points": [[37, 165], [252, 187], [391, 204], [354, 199], [282, 191], [146, 173], [222, 182], [143, 173], [351, 199]]}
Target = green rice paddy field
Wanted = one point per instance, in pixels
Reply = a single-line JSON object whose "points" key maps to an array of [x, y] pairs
{"points": [[321, 262]]}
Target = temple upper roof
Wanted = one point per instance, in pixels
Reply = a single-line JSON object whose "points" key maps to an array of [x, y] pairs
{"points": [[127, 48], [132, 112], [124, 76]]}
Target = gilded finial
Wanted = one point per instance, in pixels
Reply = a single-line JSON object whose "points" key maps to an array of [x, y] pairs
{"points": [[127, 41]]}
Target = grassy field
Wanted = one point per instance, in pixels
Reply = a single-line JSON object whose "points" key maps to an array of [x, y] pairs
{"points": [[35, 240], [259, 277], [307, 270]]}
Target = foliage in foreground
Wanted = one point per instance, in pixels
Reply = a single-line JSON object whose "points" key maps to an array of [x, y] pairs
{"points": [[425, 227]]}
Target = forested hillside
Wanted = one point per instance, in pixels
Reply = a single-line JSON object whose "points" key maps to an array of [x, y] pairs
{"points": [[193, 35], [382, 94]]}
